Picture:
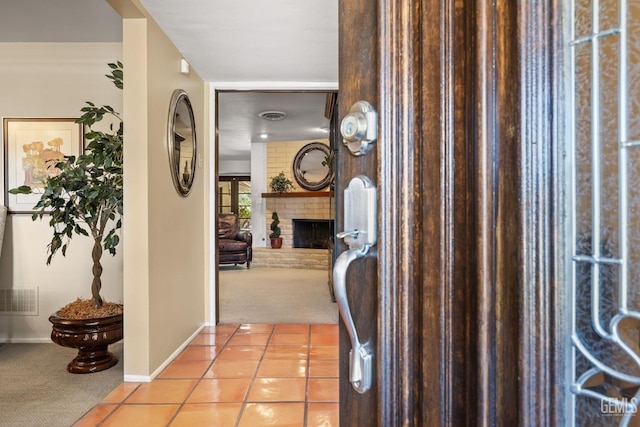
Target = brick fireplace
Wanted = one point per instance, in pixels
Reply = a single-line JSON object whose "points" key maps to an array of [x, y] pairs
{"points": [[299, 205]]}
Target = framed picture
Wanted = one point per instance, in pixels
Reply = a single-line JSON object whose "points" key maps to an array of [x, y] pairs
{"points": [[30, 145]]}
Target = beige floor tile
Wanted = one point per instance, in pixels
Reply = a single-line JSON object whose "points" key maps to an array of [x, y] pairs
{"points": [[141, 415], [207, 414], [220, 329], [324, 368], [242, 352], [220, 390], [323, 352], [282, 368], [250, 339], [277, 390], [291, 328], [255, 328], [325, 329], [232, 369], [274, 371], [198, 352], [323, 390], [279, 352], [324, 339], [272, 414], [210, 339], [120, 393], [289, 339], [95, 415], [185, 369], [323, 415], [162, 391]]}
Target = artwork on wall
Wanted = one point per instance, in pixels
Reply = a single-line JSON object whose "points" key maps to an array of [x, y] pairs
{"points": [[31, 149]]}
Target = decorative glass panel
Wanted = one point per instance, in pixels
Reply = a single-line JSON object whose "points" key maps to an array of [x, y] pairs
{"points": [[604, 121]]}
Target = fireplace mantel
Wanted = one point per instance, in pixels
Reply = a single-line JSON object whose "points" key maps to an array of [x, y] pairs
{"points": [[300, 194]]}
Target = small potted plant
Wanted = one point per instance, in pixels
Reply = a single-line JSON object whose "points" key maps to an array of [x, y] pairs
{"points": [[86, 198], [276, 240], [281, 184]]}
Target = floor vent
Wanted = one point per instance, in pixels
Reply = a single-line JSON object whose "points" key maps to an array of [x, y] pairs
{"points": [[21, 301]]}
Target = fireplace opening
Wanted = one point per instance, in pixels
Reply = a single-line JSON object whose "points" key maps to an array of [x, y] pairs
{"points": [[312, 233]]}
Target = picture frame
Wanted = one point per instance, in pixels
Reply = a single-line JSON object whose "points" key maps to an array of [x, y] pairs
{"points": [[29, 143]]}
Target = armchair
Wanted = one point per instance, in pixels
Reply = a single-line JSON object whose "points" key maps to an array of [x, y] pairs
{"points": [[234, 246]]}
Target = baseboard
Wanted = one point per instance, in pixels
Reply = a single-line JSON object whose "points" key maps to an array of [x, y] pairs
{"points": [[154, 374]]}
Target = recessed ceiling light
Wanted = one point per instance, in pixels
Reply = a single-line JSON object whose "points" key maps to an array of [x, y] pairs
{"points": [[273, 116], [264, 135]]}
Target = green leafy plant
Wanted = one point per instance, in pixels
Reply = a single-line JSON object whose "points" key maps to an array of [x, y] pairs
{"points": [[85, 198], [275, 230], [281, 184]]}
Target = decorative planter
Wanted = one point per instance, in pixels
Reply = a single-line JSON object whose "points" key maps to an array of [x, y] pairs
{"points": [[276, 242], [91, 337]]}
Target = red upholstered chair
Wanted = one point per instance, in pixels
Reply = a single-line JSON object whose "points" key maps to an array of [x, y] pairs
{"points": [[234, 246]]}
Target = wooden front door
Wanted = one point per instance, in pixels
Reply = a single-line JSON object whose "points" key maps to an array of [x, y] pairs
{"points": [[456, 299]]}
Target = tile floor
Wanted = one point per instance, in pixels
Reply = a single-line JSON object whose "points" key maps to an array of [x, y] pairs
{"points": [[239, 376]]}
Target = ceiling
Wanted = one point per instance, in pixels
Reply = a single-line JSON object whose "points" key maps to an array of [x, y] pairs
{"points": [[240, 124], [240, 41], [286, 44]]}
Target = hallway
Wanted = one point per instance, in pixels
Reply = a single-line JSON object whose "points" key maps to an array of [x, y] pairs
{"points": [[244, 375]]}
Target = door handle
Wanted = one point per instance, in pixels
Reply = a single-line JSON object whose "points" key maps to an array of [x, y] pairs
{"points": [[359, 355], [360, 214]]}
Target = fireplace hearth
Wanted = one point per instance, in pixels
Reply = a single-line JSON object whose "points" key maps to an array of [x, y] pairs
{"points": [[312, 233]]}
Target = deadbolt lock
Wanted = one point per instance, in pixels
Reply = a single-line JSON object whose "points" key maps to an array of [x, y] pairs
{"points": [[359, 128]]}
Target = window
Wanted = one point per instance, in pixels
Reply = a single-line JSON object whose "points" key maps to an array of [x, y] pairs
{"points": [[604, 232], [234, 196]]}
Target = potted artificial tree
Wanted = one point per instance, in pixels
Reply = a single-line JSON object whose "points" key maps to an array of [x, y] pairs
{"points": [[85, 198], [276, 240]]}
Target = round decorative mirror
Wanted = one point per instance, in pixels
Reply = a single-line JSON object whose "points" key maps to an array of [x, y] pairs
{"points": [[312, 167], [181, 142]]}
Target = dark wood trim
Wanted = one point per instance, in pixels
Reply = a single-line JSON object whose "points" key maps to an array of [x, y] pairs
{"points": [[399, 30], [513, 80], [358, 59], [469, 151], [214, 214], [542, 330]]}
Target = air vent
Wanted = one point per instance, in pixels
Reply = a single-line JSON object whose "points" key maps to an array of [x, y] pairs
{"points": [[22, 301], [273, 116]]}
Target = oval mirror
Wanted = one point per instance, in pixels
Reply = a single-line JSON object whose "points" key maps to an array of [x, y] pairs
{"points": [[181, 142], [308, 168]]}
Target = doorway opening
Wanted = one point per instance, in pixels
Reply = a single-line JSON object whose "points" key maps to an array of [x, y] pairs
{"points": [[259, 135]]}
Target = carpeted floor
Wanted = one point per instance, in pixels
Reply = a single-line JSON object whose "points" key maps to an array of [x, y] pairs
{"points": [[275, 295], [36, 389]]}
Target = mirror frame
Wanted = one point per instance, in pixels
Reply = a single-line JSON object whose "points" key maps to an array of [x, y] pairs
{"points": [[183, 186], [299, 176]]}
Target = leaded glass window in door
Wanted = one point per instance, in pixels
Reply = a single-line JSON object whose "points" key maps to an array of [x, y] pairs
{"points": [[603, 94]]}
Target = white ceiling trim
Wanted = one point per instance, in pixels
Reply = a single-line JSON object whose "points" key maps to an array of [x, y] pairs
{"points": [[273, 86]]}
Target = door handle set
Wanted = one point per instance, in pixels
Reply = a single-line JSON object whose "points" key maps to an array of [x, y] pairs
{"points": [[360, 213], [359, 129]]}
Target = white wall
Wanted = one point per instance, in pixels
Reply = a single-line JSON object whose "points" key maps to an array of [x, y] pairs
{"points": [[234, 167], [52, 80], [258, 186]]}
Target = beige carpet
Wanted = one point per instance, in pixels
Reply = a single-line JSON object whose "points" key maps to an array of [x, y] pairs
{"points": [[275, 295], [36, 389]]}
